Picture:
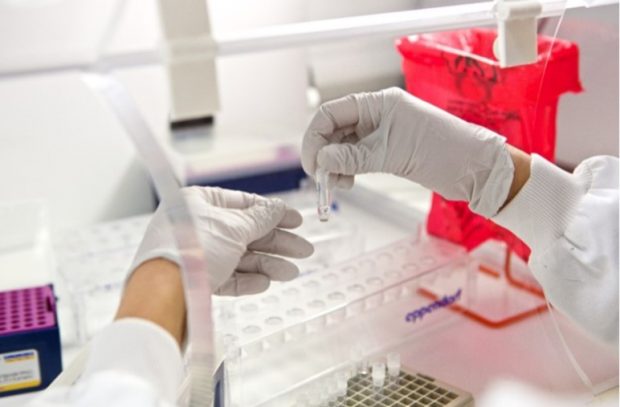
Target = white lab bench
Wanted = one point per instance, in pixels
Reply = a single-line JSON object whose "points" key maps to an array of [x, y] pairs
{"points": [[61, 98]]}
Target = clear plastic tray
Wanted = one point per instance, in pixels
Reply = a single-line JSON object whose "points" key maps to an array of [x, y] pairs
{"points": [[92, 263], [341, 304], [378, 384]]}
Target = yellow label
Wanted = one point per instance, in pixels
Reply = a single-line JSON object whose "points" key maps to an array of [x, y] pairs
{"points": [[19, 370]]}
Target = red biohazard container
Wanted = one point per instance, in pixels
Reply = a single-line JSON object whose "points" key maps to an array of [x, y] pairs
{"points": [[457, 72]]}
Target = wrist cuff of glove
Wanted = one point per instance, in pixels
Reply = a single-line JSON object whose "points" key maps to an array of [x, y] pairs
{"points": [[156, 254], [542, 209]]}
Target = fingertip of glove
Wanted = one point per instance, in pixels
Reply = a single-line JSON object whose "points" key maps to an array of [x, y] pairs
{"points": [[292, 219], [345, 181], [304, 248], [244, 284], [253, 284], [290, 274], [283, 270], [326, 156]]}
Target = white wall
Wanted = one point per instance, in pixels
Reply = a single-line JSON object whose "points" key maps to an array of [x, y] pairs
{"points": [[260, 87], [354, 66], [60, 145]]}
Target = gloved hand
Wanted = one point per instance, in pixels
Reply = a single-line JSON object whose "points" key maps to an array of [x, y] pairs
{"points": [[240, 233], [394, 132]]}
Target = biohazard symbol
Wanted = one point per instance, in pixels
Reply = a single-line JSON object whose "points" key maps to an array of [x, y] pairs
{"points": [[472, 79]]}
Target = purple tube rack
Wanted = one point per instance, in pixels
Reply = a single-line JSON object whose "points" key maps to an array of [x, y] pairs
{"points": [[26, 309]]}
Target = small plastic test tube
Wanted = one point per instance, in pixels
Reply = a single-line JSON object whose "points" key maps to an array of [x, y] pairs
{"points": [[315, 398], [324, 393], [378, 375], [341, 385], [323, 194], [393, 366], [332, 390], [303, 400], [349, 370], [361, 364]]}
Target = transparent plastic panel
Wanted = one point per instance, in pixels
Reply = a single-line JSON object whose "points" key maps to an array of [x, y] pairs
{"points": [[457, 71], [200, 352], [595, 31]]}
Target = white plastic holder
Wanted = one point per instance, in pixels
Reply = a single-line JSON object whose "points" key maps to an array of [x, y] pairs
{"points": [[188, 52], [516, 42]]}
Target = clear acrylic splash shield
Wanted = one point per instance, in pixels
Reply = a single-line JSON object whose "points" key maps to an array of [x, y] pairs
{"points": [[200, 352], [457, 72]]}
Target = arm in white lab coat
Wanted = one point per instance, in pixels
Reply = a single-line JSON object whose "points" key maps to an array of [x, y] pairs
{"points": [[136, 360], [132, 363], [570, 221]]}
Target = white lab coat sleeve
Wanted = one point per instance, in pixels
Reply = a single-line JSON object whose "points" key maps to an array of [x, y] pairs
{"points": [[132, 362], [570, 222]]}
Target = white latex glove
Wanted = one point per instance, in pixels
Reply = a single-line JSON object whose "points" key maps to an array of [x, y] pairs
{"points": [[394, 132], [240, 233]]}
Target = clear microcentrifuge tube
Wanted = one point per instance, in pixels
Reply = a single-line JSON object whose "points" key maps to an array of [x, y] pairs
{"points": [[324, 393], [315, 396], [332, 390], [303, 400], [393, 364], [393, 367], [363, 366], [350, 370], [323, 194], [378, 375], [341, 385]]}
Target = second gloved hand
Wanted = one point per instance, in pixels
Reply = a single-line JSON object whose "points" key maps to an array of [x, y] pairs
{"points": [[392, 131], [240, 234]]}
